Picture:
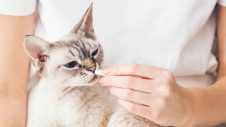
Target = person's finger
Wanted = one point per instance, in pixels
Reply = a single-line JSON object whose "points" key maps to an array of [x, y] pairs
{"points": [[144, 71], [129, 82], [131, 95], [137, 109]]}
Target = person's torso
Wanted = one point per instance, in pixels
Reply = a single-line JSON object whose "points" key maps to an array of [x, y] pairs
{"points": [[177, 35]]}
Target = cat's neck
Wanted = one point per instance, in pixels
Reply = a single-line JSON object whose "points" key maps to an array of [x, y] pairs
{"points": [[81, 93], [48, 84], [51, 85]]}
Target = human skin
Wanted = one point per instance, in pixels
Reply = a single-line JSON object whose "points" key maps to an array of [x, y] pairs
{"points": [[14, 68], [153, 93]]}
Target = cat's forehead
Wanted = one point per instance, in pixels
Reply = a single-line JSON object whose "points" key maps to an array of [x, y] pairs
{"points": [[72, 48], [61, 55]]}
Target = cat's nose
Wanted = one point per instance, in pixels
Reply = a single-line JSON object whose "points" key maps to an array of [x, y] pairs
{"points": [[89, 64]]}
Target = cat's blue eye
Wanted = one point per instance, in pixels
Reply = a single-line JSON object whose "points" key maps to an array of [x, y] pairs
{"points": [[94, 53], [71, 64]]}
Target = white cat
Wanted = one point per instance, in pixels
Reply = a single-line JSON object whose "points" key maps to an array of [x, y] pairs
{"points": [[68, 94]]}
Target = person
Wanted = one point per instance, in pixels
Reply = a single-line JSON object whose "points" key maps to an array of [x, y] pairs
{"points": [[159, 55]]}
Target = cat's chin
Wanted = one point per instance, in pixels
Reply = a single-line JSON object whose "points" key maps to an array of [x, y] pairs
{"points": [[94, 79], [91, 82]]}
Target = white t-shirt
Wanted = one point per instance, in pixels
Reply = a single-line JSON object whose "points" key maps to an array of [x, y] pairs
{"points": [[176, 34]]}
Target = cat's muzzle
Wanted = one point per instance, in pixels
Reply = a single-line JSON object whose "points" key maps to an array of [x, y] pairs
{"points": [[89, 64]]}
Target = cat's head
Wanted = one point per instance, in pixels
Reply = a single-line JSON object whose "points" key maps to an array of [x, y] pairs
{"points": [[73, 59]]}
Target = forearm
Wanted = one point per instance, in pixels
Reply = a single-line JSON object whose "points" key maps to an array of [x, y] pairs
{"points": [[221, 37], [13, 111], [14, 68], [208, 104]]}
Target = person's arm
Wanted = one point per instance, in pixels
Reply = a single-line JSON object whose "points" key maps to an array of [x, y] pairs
{"points": [[14, 68], [210, 108], [153, 93], [221, 30]]}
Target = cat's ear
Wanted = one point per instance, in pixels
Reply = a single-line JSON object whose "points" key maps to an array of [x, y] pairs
{"points": [[37, 49], [85, 26]]}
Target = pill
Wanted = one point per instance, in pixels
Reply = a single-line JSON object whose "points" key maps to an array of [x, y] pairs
{"points": [[99, 72]]}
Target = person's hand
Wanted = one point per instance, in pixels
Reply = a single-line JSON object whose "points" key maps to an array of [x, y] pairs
{"points": [[149, 92]]}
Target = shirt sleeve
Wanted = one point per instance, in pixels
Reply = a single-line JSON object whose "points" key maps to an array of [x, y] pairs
{"points": [[17, 7], [222, 2]]}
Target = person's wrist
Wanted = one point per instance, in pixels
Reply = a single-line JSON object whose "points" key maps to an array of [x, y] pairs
{"points": [[192, 98], [189, 101]]}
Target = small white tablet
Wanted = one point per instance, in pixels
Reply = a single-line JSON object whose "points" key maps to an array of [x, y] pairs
{"points": [[99, 72]]}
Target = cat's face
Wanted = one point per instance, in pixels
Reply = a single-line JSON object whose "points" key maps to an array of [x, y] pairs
{"points": [[73, 59]]}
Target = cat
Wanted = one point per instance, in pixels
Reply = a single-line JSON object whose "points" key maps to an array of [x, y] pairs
{"points": [[68, 93]]}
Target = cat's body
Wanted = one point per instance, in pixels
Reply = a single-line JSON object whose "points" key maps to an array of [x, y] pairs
{"points": [[68, 93], [67, 107], [85, 106]]}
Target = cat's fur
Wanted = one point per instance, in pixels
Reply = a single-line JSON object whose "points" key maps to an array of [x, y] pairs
{"points": [[68, 95]]}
